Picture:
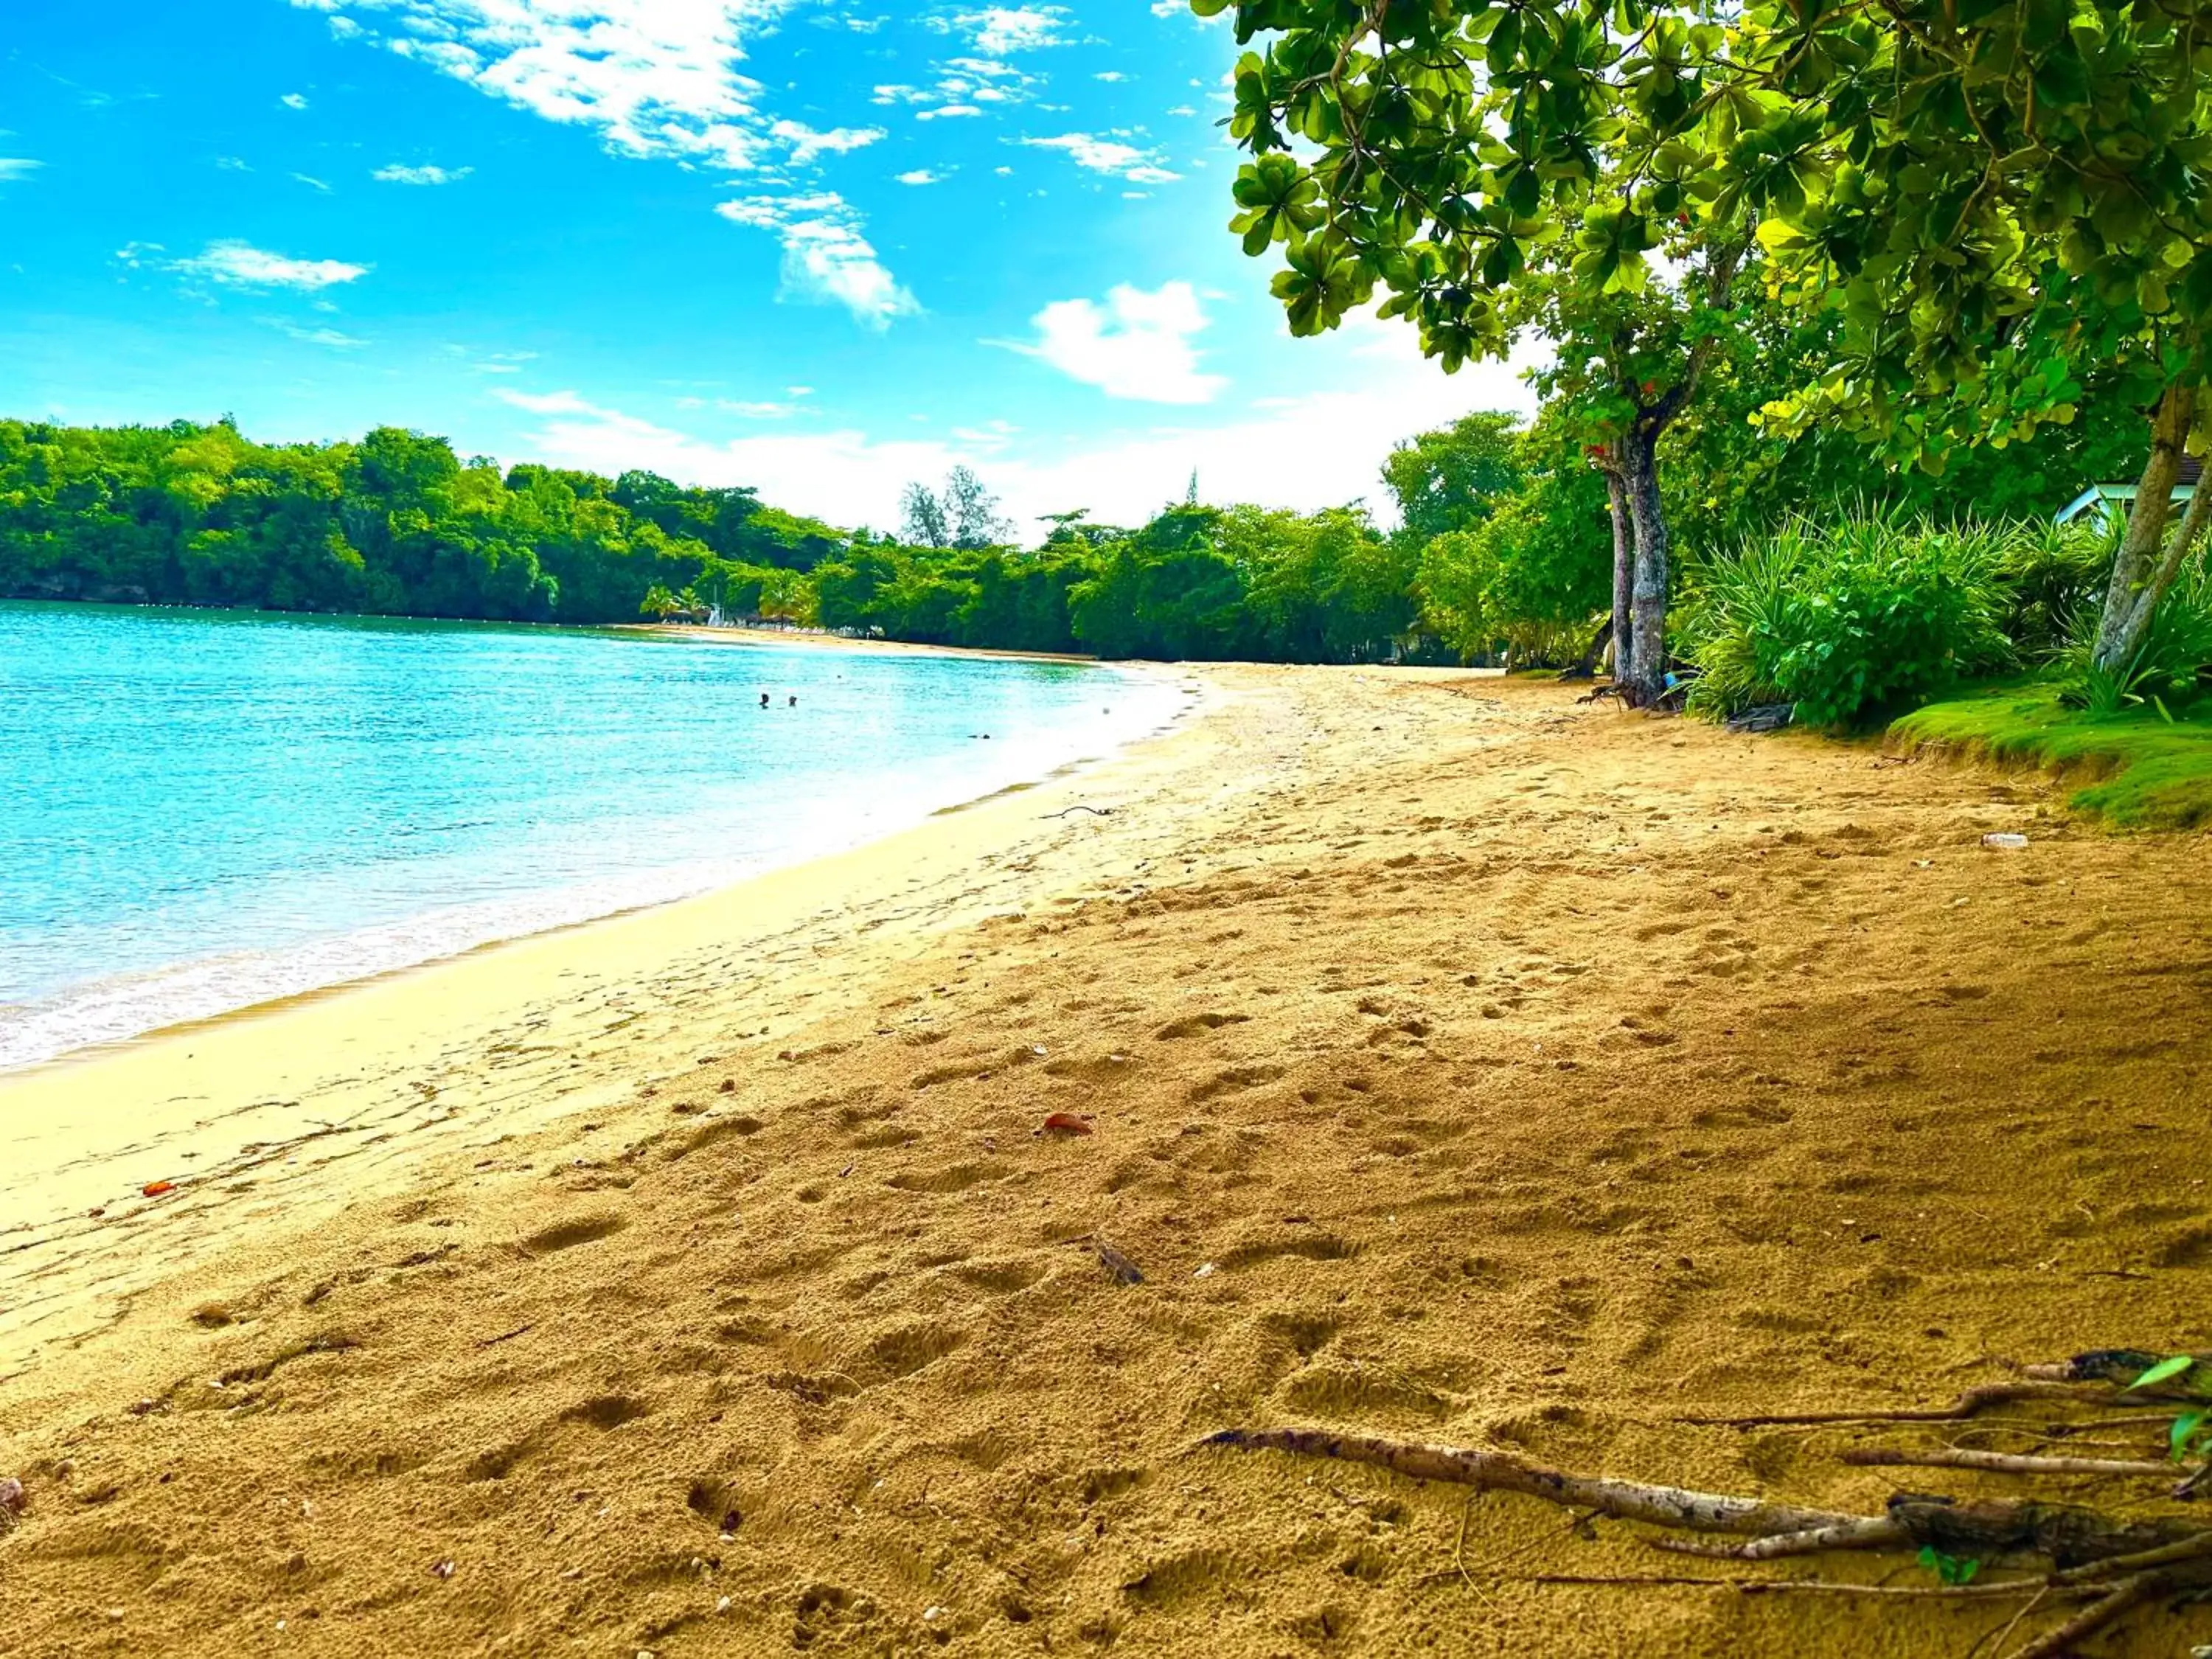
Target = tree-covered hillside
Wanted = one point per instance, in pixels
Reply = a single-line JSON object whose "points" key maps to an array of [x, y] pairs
{"points": [[1504, 548], [395, 523]]}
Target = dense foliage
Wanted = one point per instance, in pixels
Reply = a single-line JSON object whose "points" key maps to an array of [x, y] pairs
{"points": [[1846, 618], [1504, 551], [395, 523], [1974, 212], [398, 524]]}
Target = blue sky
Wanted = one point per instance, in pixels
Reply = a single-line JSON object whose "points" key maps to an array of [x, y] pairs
{"points": [[814, 245]]}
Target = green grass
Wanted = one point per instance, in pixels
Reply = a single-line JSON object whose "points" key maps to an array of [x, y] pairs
{"points": [[2141, 772]]}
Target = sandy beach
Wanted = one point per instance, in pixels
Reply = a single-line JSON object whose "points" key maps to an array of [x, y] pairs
{"points": [[1459, 1061]]}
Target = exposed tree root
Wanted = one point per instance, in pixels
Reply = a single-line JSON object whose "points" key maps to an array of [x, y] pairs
{"points": [[2123, 1563], [1965, 1406], [2130, 1594], [2006, 1592], [1498, 1471], [1953, 1457], [1877, 1533]]}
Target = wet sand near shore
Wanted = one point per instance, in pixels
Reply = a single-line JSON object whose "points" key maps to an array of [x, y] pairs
{"points": [[1459, 1063]]}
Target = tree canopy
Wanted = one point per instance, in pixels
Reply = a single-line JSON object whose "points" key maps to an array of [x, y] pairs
{"points": [[1987, 203]]}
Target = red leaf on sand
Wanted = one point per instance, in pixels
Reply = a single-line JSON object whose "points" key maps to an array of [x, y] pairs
{"points": [[1067, 1123], [155, 1189]]}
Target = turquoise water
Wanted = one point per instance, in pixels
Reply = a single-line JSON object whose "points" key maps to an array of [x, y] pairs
{"points": [[201, 810]]}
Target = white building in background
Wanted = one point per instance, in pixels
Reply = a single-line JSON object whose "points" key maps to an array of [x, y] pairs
{"points": [[2110, 500]]}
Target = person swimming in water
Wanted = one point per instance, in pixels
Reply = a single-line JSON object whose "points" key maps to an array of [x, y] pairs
{"points": [[763, 698]]}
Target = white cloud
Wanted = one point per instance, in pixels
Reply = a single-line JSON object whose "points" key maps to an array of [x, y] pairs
{"points": [[1136, 346], [398, 174], [311, 183], [651, 77], [493, 362], [807, 145], [323, 337], [17, 166], [240, 264], [998, 30], [825, 256], [1107, 155], [293, 100], [231, 164], [1320, 450], [963, 84], [922, 176], [558, 403], [656, 79]]}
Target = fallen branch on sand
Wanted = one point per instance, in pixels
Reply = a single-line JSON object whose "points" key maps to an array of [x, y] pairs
{"points": [[2119, 1564], [1953, 1457], [1097, 811]]}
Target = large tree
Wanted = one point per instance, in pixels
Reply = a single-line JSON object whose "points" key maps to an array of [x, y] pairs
{"points": [[1493, 169], [1995, 199]]}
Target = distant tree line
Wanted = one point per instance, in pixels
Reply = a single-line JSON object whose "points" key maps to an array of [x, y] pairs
{"points": [[395, 523], [1503, 549]]}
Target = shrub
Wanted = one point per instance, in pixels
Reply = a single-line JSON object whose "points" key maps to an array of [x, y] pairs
{"points": [[1845, 619], [2052, 574], [2168, 669]]}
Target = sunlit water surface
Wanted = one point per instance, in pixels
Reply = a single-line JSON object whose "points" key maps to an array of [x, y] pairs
{"points": [[201, 810]]}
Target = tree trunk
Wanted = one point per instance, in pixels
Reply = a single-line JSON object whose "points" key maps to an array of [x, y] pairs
{"points": [[2145, 566], [1624, 574], [1646, 683]]}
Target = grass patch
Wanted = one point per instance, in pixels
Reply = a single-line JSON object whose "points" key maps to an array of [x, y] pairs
{"points": [[2143, 772]]}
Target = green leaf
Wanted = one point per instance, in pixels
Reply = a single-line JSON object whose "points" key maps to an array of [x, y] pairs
{"points": [[2186, 1428], [1953, 1570], [2165, 1370]]}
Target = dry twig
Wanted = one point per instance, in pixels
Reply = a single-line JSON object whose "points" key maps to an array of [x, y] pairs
{"points": [[1954, 1457]]}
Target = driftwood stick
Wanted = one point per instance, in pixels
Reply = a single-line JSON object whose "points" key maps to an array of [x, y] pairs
{"points": [[2064, 1534], [1624, 1500], [1812, 1586], [1867, 1534], [2187, 1551], [1973, 1400], [2129, 1594], [1953, 1457]]}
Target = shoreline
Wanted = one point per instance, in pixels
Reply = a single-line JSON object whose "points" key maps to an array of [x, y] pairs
{"points": [[792, 636], [527, 914], [74, 1135], [635, 629]]}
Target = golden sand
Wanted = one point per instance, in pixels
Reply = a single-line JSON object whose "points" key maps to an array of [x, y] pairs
{"points": [[1462, 1063]]}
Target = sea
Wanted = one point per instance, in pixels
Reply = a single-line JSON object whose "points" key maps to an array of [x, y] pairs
{"points": [[204, 810]]}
